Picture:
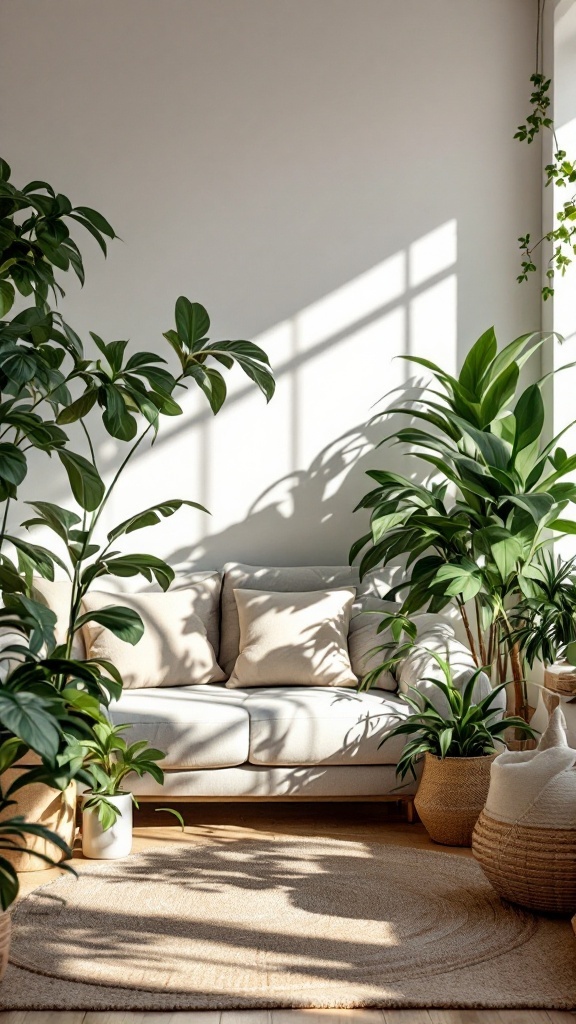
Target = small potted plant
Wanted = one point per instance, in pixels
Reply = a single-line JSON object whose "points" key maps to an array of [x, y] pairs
{"points": [[457, 750], [107, 808]]}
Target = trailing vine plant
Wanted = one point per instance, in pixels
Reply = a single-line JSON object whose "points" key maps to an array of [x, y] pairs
{"points": [[561, 171]]}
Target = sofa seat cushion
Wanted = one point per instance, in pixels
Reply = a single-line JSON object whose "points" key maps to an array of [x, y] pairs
{"points": [[196, 726], [319, 725]]}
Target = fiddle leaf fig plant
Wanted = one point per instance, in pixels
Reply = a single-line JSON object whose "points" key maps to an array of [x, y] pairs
{"points": [[470, 534], [50, 380]]}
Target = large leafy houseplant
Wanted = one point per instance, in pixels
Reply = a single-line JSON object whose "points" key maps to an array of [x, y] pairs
{"points": [[49, 381], [470, 534]]}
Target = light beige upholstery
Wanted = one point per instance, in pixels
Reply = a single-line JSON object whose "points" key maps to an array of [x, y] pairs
{"points": [[196, 726], [293, 639], [279, 579], [323, 725], [363, 637], [57, 595], [174, 649], [254, 783]]}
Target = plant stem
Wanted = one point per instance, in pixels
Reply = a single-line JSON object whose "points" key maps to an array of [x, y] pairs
{"points": [[469, 633], [480, 633]]}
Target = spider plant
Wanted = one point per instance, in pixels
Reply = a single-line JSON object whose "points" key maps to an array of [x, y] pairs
{"points": [[468, 730]]}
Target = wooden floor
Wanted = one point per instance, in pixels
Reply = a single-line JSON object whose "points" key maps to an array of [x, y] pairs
{"points": [[379, 823]]}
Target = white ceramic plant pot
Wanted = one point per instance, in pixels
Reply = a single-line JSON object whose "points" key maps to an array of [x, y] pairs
{"points": [[115, 842]]}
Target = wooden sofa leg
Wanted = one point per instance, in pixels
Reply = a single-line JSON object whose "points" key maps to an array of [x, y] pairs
{"points": [[411, 815]]}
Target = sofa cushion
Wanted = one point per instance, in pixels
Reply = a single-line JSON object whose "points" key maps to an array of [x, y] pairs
{"points": [[320, 725], [278, 579], [196, 726], [420, 666], [204, 588], [363, 637], [294, 639], [174, 650]]}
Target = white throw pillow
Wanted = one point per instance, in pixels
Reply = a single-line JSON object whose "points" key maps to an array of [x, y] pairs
{"points": [[294, 639], [174, 650]]}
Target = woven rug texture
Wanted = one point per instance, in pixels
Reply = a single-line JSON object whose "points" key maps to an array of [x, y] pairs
{"points": [[283, 922]]}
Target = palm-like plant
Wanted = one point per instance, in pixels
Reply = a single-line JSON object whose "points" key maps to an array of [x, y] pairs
{"points": [[544, 625], [468, 730], [472, 532]]}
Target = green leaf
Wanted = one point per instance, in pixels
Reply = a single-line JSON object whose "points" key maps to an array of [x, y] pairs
{"points": [[192, 321], [125, 623], [78, 409], [152, 515], [6, 298], [97, 220], [60, 520], [478, 361], [116, 418], [464, 580], [499, 394], [529, 414], [538, 505], [211, 382], [139, 565], [563, 526], [5, 170], [13, 466], [87, 487], [26, 715]]}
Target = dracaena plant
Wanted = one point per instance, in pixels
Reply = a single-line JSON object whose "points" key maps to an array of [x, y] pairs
{"points": [[469, 534], [466, 730]]}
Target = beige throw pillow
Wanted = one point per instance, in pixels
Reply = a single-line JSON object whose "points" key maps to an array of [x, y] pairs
{"points": [[174, 650], [293, 639], [279, 579]]}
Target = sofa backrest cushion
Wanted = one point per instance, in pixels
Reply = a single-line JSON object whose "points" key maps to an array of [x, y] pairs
{"points": [[174, 649], [277, 579], [204, 590], [420, 666], [363, 637], [294, 639]]}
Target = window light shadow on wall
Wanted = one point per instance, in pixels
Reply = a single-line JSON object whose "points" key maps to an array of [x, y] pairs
{"points": [[304, 455]]}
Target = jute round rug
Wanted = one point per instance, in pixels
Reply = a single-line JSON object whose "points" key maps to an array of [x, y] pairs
{"points": [[284, 922]]}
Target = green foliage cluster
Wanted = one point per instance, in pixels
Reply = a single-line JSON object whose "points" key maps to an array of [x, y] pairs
{"points": [[545, 624], [472, 532], [468, 730], [50, 702]]}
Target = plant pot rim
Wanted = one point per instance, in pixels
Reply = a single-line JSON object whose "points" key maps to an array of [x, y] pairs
{"points": [[451, 760]]}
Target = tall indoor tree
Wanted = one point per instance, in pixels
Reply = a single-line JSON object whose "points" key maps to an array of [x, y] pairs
{"points": [[470, 533]]}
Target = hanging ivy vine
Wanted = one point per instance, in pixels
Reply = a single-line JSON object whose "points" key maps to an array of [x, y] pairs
{"points": [[561, 172]]}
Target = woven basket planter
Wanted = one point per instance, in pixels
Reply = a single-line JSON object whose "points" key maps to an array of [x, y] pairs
{"points": [[41, 805], [535, 867], [451, 795]]}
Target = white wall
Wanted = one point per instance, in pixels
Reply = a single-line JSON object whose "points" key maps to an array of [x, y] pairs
{"points": [[563, 308], [334, 178]]}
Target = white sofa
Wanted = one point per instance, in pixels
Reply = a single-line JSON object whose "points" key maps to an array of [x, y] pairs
{"points": [[281, 742]]}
